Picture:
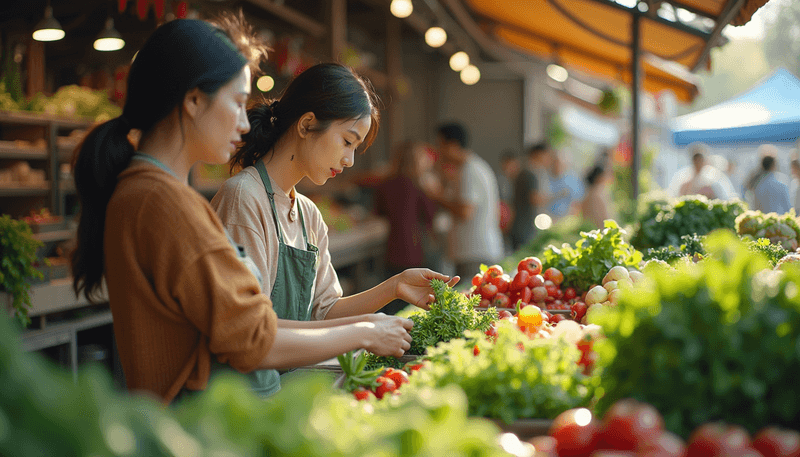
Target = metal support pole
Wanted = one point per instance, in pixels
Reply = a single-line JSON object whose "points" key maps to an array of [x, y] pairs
{"points": [[636, 87]]}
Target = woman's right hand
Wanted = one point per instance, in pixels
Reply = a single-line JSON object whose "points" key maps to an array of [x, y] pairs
{"points": [[387, 335]]}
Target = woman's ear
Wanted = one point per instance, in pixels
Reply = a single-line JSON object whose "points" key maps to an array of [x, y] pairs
{"points": [[307, 123], [194, 102]]}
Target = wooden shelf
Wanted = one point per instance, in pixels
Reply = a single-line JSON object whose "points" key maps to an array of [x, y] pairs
{"points": [[27, 118], [10, 150], [51, 297]]}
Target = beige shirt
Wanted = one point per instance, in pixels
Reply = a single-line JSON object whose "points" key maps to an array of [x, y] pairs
{"points": [[243, 206]]}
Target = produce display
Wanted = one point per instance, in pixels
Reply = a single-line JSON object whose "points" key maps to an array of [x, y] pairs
{"points": [[17, 264], [663, 222], [71, 100], [778, 229], [692, 249], [716, 340], [633, 429]]}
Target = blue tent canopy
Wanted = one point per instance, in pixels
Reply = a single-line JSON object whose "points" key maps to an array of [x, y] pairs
{"points": [[767, 113]]}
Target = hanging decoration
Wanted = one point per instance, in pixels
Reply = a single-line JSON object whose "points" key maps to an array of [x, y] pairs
{"points": [[142, 7]]}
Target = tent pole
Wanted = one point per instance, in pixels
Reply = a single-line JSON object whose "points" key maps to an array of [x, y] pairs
{"points": [[636, 87]]}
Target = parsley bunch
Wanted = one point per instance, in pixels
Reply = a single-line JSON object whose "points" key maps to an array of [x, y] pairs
{"points": [[449, 316]]}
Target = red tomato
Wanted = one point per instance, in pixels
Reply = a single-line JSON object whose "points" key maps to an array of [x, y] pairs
{"points": [[539, 293], [477, 280], [547, 316], [717, 439], [494, 271], [555, 275], [362, 393], [576, 432], [476, 351], [488, 291], [399, 377], [413, 367], [525, 295], [569, 293], [552, 289], [578, 310], [530, 264], [667, 444], [500, 300], [629, 424], [545, 446], [485, 303], [536, 281], [502, 283], [775, 442], [504, 314], [520, 280], [491, 332], [385, 386], [557, 318]]}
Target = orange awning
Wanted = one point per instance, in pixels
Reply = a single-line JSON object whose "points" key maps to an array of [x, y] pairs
{"points": [[594, 36]]}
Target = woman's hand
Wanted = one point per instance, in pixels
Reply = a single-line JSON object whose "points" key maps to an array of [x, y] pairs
{"points": [[387, 335], [414, 286]]}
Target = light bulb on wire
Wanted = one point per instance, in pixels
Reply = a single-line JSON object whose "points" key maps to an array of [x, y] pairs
{"points": [[470, 75], [401, 8], [109, 39], [459, 61], [48, 29], [435, 37]]}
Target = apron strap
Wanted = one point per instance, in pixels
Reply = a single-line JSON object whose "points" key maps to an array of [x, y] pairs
{"points": [[262, 171]]}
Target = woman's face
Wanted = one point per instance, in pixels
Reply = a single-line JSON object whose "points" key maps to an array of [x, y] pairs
{"points": [[220, 126], [327, 153]]}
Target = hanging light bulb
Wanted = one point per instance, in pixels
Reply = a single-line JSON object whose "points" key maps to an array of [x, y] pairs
{"points": [[109, 39], [435, 37], [48, 29], [401, 8], [265, 83], [459, 61], [470, 75], [557, 72]]}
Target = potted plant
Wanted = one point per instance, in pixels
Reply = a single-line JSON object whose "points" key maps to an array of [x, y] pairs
{"points": [[17, 259]]}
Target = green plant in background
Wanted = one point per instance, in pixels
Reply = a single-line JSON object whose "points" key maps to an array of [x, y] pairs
{"points": [[512, 377], [556, 133], [610, 102], [587, 262], [17, 257], [716, 340], [663, 221]]}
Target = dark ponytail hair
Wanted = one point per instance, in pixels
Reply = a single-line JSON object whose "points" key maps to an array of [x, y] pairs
{"points": [[179, 56], [594, 175], [331, 91]]}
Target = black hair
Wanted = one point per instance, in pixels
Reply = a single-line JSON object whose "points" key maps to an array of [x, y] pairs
{"points": [[768, 163], [538, 148], [179, 56], [454, 132], [331, 91], [594, 175]]}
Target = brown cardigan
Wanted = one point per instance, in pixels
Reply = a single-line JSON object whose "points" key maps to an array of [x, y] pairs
{"points": [[178, 292]]}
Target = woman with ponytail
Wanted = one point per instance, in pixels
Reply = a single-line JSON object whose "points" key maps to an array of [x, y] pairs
{"points": [[185, 303], [324, 115]]}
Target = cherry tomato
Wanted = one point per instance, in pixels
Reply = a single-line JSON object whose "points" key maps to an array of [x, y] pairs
{"points": [[525, 294], [399, 377], [362, 393], [545, 446], [520, 280], [410, 368], [555, 275], [485, 303], [494, 271], [476, 351], [539, 293], [717, 439], [502, 283], [530, 264], [500, 300], [569, 293], [504, 314], [477, 280], [667, 444], [557, 318], [552, 289], [536, 281], [491, 332], [776, 442], [385, 386], [629, 424], [488, 291], [576, 432], [578, 310]]}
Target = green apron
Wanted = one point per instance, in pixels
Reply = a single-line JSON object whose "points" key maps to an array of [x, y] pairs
{"points": [[263, 382], [292, 290]]}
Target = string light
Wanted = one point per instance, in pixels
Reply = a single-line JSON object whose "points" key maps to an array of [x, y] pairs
{"points": [[435, 37], [459, 61]]}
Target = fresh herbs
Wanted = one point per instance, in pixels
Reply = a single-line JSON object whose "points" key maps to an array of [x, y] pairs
{"points": [[716, 340], [593, 255], [449, 316], [17, 257]]}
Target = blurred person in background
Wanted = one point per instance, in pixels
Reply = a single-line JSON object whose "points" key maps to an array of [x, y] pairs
{"points": [[509, 170], [771, 194], [531, 193], [597, 205], [565, 187], [706, 179], [474, 203], [401, 199], [794, 188], [755, 176]]}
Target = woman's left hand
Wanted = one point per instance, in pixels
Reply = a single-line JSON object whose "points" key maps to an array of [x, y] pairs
{"points": [[414, 286]]}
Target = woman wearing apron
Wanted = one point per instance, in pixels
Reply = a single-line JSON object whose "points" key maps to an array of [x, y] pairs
{"points": [[184, 303], [313, 131]]}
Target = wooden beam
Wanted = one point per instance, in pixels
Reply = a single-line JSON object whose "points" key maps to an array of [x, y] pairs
{"points": [[731, 10], [338, 29], [292, 16]]}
